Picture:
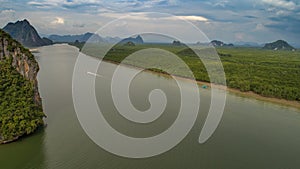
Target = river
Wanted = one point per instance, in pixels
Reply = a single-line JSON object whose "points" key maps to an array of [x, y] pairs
{"points": [[252, 134]]}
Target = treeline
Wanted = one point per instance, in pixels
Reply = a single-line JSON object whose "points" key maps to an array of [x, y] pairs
{"points": [[19, 115], [268, 73]]}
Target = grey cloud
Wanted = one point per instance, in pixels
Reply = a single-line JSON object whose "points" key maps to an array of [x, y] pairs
{"points": [[251, 17], [79, 25]]}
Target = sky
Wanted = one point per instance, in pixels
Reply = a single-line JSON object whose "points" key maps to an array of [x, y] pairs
{"points": [[231, 21]]}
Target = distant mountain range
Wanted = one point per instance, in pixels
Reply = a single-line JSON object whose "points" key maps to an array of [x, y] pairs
{"points": [[247, 44], [220, 44], [26, 34], [279, 45], [72, 38], [136, 40], [91, 37]]}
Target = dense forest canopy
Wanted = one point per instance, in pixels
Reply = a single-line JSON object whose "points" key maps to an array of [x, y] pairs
{"points": [[19, 114], [20, 106]]}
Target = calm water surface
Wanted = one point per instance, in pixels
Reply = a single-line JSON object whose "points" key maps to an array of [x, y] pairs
{"points": [[252, 134]]}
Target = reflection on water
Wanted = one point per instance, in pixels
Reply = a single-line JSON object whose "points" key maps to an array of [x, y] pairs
{"points": [[27, 153]]}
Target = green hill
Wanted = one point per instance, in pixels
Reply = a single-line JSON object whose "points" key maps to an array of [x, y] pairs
{"points": [[278, 45]]}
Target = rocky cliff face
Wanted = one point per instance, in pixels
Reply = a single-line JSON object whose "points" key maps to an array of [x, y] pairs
{"points": [[22, 60]]}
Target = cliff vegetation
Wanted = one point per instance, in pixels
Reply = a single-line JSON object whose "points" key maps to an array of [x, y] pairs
{"points": [[21, 110]]}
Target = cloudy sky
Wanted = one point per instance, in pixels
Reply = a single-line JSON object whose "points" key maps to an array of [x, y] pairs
{"points": [[227, 20]]}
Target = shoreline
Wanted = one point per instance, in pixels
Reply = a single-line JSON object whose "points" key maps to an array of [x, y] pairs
{"points": [[281, 102], [18, 138], [237, 92], [277, 101], [9, 141]]}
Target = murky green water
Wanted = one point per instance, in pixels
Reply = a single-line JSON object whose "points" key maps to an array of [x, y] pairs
{"points": [[251, 135]]}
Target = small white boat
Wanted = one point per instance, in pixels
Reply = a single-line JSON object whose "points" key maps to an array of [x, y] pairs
{"points": [[94, 74]]}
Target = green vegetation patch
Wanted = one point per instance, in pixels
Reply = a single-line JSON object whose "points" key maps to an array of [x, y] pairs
{"points": [[19, 115]]}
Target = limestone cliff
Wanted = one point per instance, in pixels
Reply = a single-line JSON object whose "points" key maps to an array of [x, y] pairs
{"points": [[22, 60], [21, 110]]}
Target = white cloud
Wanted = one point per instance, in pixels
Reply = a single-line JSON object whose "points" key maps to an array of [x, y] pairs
{"points": [[117, 5], [58, 21], [7, 11], [44, 4], [149, 4], [239, 36], [194, 18], [173, 2], [260, 27], [140, 16], [289, 5], [6, 16], [61, 3], [282, 13], [147, 16], [222, 3]]}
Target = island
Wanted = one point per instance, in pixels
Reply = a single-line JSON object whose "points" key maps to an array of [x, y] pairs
{"points": [[21, 111]]}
